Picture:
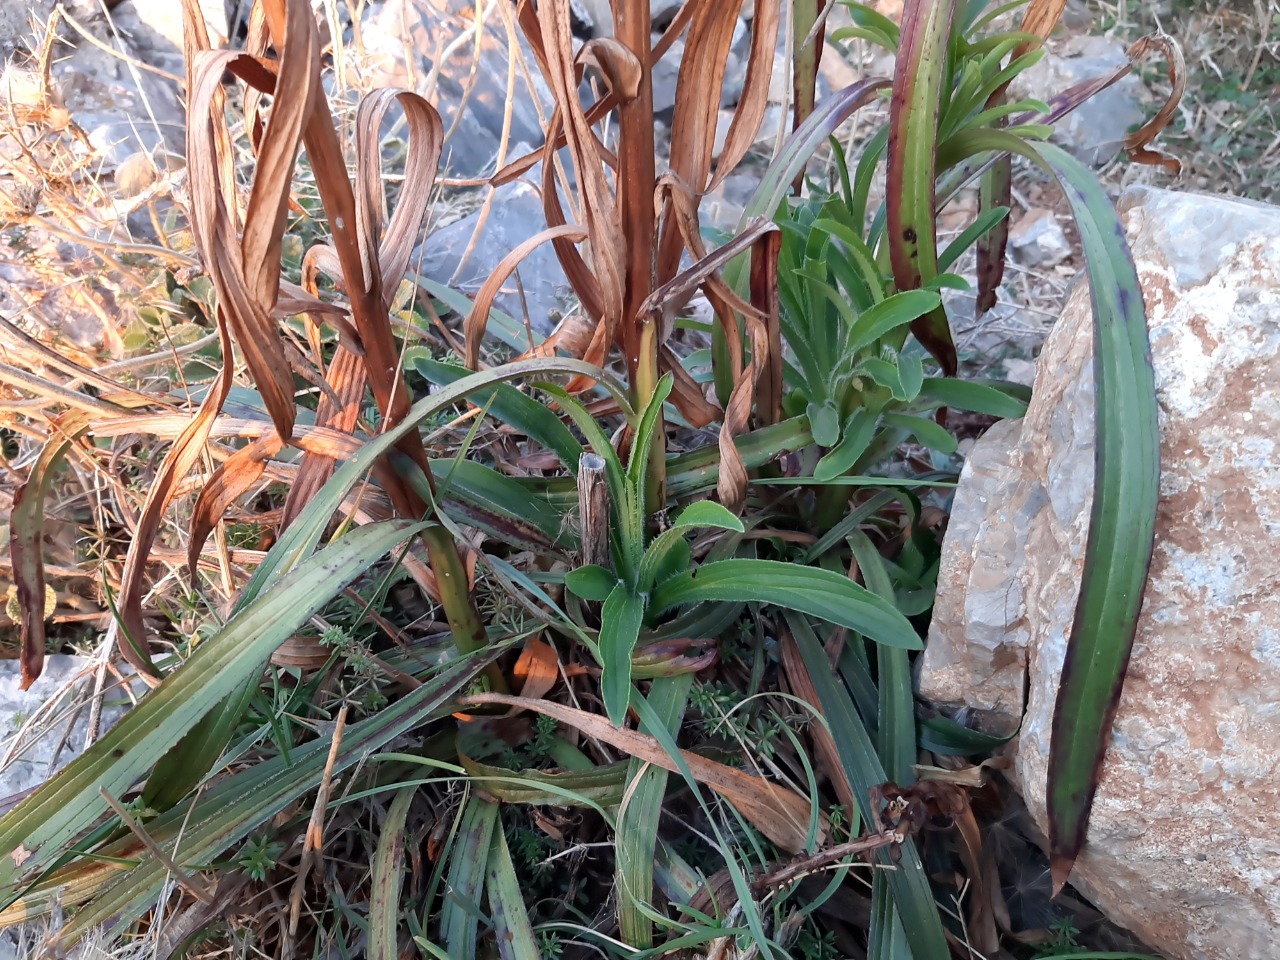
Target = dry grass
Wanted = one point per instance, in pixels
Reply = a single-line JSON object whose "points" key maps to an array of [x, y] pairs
{"points": [[1227, 132]]}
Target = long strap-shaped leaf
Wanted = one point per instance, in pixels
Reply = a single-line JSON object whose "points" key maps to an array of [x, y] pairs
{"points": [[1126, 492], [918, 80], [46, 821], [231, 809], [907, 881]]}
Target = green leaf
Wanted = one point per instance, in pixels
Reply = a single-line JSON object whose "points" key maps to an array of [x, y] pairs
{"points": [[460, 914], [896, 737], [896, 311], [884, 372], [1126, 494], [639, 460], [46, 822], [502, 506], [511, 406], [620, 622], [858, 431], [774, 187], [696, 472], [669, 554], [666, 557], [179, 771], [948, 281], [920, 76], [638, 822], [864, 179], [975, 396], [887, 938], [981, 225], [857, 270], [232, 807], [621, 533], [635, 512], [926, 431], [505, 327], [594, 787], [301, 537], [511, 927], [708, 513], [819, 593], [875, 24], [912, 895], [591, 582], [910, 376], [1123, 519], [943, 736], [824, 421], [994, 193], [387, 876]]}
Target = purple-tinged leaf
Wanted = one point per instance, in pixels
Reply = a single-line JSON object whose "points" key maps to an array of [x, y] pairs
{"points": [[918, 83], [997, 184]]}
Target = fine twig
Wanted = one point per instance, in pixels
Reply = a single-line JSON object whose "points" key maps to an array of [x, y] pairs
{"points": [[195, 887], [802, 866]]}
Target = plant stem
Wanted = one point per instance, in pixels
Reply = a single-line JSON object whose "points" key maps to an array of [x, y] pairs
{"points": [[637, 176], [645, 382], [805, 67], [469, 633]]}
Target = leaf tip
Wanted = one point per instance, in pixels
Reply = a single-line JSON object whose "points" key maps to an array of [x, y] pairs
{"points": [[1060, 870]]}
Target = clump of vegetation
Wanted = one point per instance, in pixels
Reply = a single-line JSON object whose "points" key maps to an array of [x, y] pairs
{"points": [[597, 645]]}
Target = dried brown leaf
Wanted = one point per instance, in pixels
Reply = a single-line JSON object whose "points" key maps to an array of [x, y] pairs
{"points": [[764, 369], [828, 756], [697, 110], [1137, 144], [537, 669], [242, 470], [1040, 18], [477, 320], [779, 813], [26, 538], [754, 99]]}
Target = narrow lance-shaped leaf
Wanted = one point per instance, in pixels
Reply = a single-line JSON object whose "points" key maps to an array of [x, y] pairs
{"points": [[807, 35], [69, 803], [460, 914], [26, 536], [387, 878], [993, 194], [812, 590], [1123, 513], [512, 930], [897, 732], [919, 75], [772, 191], [232, 808], [638, 825], [907, 881], [180, 769], [1126, 491], [620, 622], [1039, 19]]}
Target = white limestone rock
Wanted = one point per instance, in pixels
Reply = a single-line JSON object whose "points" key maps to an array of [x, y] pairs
{"points": [[1182, 844], [57, 707]]}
